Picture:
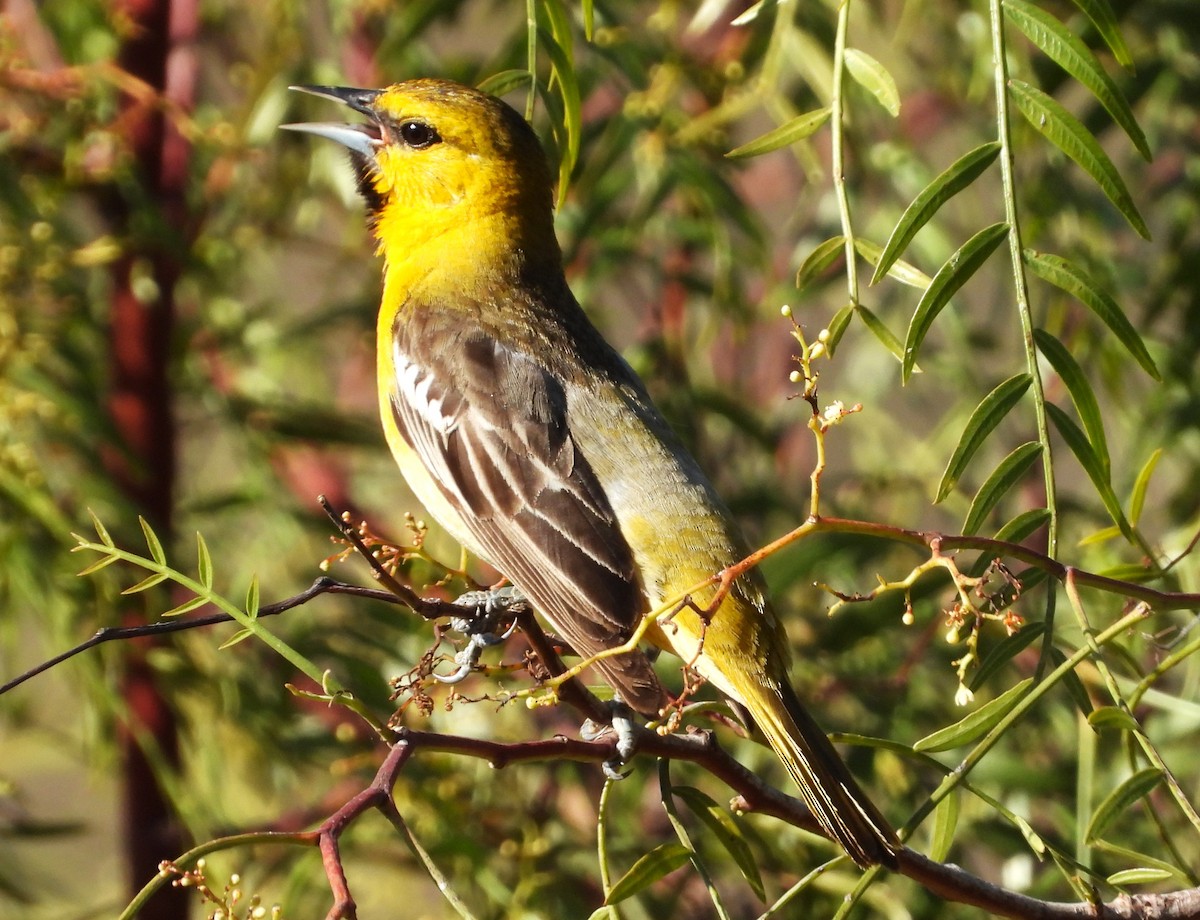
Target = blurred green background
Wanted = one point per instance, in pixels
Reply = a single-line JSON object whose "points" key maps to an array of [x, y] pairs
{"points": [[187, 303]]}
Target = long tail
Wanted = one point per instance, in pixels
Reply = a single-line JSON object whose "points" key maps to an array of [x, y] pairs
{"points": [[826, 785]]}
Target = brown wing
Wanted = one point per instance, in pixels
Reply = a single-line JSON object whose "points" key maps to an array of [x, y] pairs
{"points": [[490, 425]]}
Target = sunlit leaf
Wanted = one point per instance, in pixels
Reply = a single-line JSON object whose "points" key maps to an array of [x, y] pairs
{"points": [[987, 415], [874, 78], [102, 562], [1024, 524], [1073, 56], [960, 174], [205, 561], [1143, 875], [505, 81], [945, 823], [904, 272], [789, 132], [1101, 15], [658, 863], [252, 598], [1138, 497], [975, 725], [1070, 278], [1117, 802], [949, 278], [837, 327], [148, 582], [101, 530], [1080, 390], [1004, 651], [186, 607], [1114, 718], [1068, 134], [152, 541], [240, 636], [1008, 473]]}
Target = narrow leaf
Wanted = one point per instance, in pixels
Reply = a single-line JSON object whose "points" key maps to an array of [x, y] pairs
{"points": [[1082, 449], [1138, 498], [1117, 802], [186, 606], [1131, 855], [205, 567], [1004, 651], [658, 863], [1101, 15], [1113, 717], [1073, 56], [505, 82], [904, 272], [148, 582], [1073, 378], [886, 337], [101, 530], [1070, 278], [945, 823], [1068, 134], [837, 326], [1074, 686], [1008, 473], [240, 636], [722, 825], [1143, 875], [1024, 524], [152, 541], [252, 598], [987, 415], [824, 255], [965, 170], [874, 78], [975, 725], [949, 278], [789, 132], [563, 74], [102, 562]]}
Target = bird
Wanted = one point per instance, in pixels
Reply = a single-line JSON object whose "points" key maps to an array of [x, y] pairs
{"points": [[528, 437]]}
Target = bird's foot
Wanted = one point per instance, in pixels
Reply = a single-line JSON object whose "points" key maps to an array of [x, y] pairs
{"points": [[624, 723], [489, 609]]}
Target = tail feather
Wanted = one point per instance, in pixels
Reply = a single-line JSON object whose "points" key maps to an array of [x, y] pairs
{"points": [[826, 785]]}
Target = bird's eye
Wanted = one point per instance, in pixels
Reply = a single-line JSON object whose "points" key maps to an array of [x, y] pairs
{"points": [[418, 135]]}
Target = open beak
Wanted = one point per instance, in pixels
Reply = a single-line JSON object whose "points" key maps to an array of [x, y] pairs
{"points": [[361, 138]]}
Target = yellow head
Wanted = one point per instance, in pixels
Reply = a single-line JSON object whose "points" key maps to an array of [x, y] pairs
{"points": [[455, 180]]}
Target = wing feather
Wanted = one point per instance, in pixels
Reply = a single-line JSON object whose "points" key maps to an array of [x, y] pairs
{"points": [[490, 426]]}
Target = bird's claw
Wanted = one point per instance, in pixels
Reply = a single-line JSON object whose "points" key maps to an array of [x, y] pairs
{"points": [[628, 730], [489, 607]]}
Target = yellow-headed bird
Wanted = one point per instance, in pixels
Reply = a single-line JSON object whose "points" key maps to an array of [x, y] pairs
{"points": [[532, 441]]}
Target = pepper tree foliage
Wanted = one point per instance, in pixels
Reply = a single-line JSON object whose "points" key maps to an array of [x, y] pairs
{"points": [[984, 213]]}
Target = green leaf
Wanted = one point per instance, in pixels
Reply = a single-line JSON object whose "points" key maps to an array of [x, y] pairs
{"points": [[1143, 875], [1141, 859], [722, 825], [818, 260], [1073, 685], [562, 73], [874, 78], [505, 82], [252, 598], [885, 335], [1068, 277], [102, 562], [152, 541], [1114, 718], [1117, 802], [975, 725], [902, 271], [1023, 525], [1065, 131], [1072, 376], [240, 636], [101, 530], [205, 566], [1008, 473], [1073, 56], [658, 863], [148, 582], [949, 278], [965, 170], [837, 327], [1101, 15], [1005, 651], [1138, 497], [789, 132], [186, 606], [945, 823], [987, 415], [1081, 447]]}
